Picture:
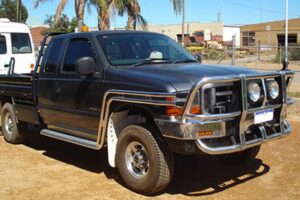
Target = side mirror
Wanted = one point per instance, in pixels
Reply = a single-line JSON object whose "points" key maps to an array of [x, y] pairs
{"points": [[198, 57], [85, 66]]}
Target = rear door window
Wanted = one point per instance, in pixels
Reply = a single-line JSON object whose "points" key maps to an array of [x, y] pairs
{"points": [[20, 43], [53, 55], [3, 49]]}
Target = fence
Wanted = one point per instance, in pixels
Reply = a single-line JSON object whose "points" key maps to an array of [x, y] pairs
{"points": [[259, 57]]}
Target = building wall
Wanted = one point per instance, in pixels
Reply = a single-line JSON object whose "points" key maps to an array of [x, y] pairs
{"points": [[37, 36], [173, 29], [229, 32], [266, 33]]}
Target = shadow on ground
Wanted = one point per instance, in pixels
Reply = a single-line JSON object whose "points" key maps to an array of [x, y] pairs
{"points": [[205, 175], [193, 175]]}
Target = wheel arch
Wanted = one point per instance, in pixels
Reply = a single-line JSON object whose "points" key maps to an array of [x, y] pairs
{"points": [[121, 116], [3, 100]]}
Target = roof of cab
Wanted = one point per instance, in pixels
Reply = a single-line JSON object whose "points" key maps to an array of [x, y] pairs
{"points": [[106, 32]]}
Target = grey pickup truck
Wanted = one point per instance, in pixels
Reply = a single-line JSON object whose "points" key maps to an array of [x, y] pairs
{"points": [[145, 99]]}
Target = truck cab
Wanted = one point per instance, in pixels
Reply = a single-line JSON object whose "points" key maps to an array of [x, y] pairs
{"points": [[16, 43]]}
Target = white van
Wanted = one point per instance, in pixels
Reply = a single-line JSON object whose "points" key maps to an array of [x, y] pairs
{"points": [[16, 42]]}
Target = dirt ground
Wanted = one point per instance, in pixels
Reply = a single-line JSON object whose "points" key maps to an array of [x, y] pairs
{"points": [[43, 168]]}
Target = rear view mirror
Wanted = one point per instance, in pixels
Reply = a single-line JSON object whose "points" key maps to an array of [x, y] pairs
{"points": [[85, 66]]}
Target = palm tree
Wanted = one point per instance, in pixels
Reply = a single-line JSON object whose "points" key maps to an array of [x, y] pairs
{"points": [[106, 8], [133, 10], [79, 10]]}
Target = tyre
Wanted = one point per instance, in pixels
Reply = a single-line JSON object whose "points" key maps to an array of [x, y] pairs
{"points": [[239, 157], [144, 162], [13, 132]]}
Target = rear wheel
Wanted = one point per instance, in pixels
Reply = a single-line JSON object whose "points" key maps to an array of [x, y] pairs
{"points": [[13, 132], [239, 157], [144, 163]]}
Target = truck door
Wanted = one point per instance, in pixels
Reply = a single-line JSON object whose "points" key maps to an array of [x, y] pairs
{"points": [[47, 85], [4, 52], [79, 98]]}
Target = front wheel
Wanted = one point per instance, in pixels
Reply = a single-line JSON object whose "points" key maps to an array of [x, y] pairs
{"points": [[144, 162], [239, 157], [13, 132]]}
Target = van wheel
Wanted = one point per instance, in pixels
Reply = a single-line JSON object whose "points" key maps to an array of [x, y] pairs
{"points": [[239, 157], [144, 163], [13, 132]]}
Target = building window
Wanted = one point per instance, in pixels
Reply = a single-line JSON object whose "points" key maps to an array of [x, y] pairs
{"points": [[248, 38]]}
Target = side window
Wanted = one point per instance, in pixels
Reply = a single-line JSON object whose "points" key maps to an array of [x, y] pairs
{"points": [[77, 48], [3, 49], [20, 43], [52, 61]]}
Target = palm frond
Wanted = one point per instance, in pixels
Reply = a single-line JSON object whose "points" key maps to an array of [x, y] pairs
{"points": [[140, 20], [177, 6], [37, 3]]}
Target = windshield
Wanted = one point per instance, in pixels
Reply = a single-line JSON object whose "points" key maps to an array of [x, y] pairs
{"points": [[131, 49]]}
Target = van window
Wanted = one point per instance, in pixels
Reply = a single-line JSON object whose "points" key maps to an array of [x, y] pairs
{"points": [[2, 45], [52, 58], [77, 48], [20, 43]]}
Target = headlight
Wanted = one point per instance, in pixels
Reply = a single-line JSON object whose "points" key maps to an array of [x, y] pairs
{"points": [[273, 89], [254, 91]]}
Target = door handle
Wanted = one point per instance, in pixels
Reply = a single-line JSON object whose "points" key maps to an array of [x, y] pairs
{"points": [[57, 87]]}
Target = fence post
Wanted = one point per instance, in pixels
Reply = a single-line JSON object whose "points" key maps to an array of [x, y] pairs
{"points": [[233, 50], [280, 55], [258, 50]]}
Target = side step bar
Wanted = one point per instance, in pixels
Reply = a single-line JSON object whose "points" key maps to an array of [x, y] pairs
{"points": [[69, 138]]}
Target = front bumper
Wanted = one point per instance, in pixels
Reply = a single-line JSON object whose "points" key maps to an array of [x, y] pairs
{"points": [[230, 132]]}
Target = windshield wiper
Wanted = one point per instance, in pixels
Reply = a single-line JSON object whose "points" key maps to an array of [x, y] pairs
{"points": [[185, 60], [150, 61]]}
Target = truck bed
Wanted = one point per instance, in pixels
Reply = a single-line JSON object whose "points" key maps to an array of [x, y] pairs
{"points": [[17, 86]]}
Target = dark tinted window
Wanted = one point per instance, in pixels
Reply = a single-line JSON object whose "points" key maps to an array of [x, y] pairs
{"points": [[77, 48], [2, 45], [20, 43], [52, 59]]}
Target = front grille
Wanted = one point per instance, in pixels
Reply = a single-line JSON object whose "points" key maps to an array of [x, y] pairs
{"points": [[221, 98]]}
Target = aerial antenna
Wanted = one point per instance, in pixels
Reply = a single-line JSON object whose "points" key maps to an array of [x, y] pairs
{"points": [[285, 63]]}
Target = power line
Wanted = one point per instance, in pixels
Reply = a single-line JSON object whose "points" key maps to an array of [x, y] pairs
{"points": [[259, 9]]}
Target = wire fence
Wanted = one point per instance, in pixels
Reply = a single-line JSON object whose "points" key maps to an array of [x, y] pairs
{"points": [[259, 57]]}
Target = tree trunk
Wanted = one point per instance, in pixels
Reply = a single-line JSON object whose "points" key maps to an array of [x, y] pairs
{"points": [[58, 11], [130, 23], [103, 18], [79, 9]]}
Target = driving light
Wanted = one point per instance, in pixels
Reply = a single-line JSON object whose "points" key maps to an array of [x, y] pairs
{"points": [[273, 89], [254, 91]]}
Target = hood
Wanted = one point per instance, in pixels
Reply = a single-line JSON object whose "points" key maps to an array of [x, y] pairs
{"points": [[167, 77], [180, 76]]}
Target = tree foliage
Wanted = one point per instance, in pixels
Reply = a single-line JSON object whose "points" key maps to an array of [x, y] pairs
{"points": [[8, 9], [63, 25], [79, 10]]}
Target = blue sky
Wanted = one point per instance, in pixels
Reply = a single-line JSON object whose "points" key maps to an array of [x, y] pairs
{"points": [[161, 11]]}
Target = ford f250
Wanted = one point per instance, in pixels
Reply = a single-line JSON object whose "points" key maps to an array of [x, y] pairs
{"points": [[145, 99]]}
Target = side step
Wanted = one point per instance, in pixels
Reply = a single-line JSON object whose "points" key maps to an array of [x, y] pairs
{"points": [[69, 138]]}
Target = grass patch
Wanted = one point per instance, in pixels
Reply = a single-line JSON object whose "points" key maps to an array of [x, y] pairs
{"points": [[294, 94]]}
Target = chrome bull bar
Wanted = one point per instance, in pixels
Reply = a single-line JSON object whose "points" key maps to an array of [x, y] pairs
{"points": [[284, 125]]}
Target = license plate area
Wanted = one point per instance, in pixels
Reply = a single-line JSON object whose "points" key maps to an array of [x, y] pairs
{"points": [[263, 116]]}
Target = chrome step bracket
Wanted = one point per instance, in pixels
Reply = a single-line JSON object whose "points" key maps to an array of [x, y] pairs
{"points": [[69, 138]]}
